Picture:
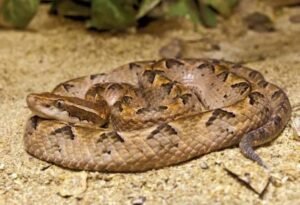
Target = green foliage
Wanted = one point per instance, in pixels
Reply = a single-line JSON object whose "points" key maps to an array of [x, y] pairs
{"points": [[119, 14], [209, 9], [208, 16], [184, 8], [17, 13], [113, 14], [224, 7], [71, 8], [146, 6]]}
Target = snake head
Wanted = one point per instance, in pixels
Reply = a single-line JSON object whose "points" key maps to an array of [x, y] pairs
{"points": [[69, 109], [43, 104]]}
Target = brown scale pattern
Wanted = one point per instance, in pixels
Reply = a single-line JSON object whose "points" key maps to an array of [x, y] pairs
{"points": [[161, 113]]}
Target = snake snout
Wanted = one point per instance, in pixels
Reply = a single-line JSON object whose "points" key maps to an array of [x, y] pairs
{"points": [[31, 100], [38, 104]]}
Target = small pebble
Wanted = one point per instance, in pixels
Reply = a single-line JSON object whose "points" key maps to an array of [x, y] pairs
{"points": [[14, 175], [2, 166], [218, 162], [139, 201], [203, 165]]}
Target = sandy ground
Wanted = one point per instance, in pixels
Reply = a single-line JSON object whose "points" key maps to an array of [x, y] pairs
{"points": [[53, 50]]}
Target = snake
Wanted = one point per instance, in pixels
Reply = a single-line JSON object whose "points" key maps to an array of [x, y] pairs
{"points": [[152, 114]]}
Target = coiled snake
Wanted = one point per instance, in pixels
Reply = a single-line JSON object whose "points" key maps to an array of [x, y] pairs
{"points": [[152, 114]]}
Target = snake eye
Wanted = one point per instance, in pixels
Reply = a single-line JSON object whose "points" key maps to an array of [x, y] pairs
{"points": [[59, 103]]}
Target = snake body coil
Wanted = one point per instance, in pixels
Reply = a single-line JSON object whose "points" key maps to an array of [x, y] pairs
{"points": [[148, 115]]}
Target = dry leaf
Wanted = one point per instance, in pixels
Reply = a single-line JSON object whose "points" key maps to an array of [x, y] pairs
{"points": [[250, 174], [74, 184]]}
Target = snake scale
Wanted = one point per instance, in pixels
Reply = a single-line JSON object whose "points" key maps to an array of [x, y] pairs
{"points": [[152, 114]]}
